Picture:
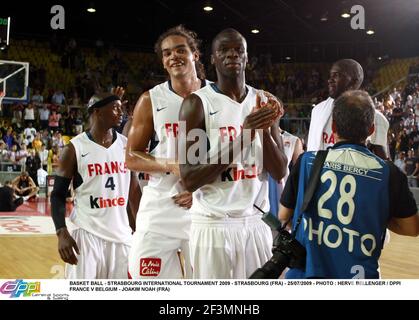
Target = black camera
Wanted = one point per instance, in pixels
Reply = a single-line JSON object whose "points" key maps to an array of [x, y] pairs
{"points": [[287, 252]]}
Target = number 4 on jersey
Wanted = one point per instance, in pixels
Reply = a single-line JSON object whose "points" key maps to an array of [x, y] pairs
{"points": [[110, 184]]}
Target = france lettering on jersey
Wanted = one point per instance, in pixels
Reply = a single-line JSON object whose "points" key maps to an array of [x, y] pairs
{"points": [[101, 198], [158, 212], [275, 188], [242, 185], [344, 228]]}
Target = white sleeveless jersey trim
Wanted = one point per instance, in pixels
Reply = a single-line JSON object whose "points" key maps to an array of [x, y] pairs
{"points": [[241, 186], [157, 211], [101, 200]]}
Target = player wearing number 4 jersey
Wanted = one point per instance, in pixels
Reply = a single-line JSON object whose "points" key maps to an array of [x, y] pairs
{"points": [[358, 197], [95, 162]]}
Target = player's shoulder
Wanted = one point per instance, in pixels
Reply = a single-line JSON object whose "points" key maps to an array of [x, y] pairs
{"points": [[145, 94], [144, 101], [121, 137], [322, 104], [252, 91], [206, 83], [202, 94], [286, 134], [80, 137], [380, 118], [206, 89], [159, 88]]}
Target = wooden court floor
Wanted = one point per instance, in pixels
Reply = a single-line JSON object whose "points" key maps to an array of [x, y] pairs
{"points": [[36, 257]]}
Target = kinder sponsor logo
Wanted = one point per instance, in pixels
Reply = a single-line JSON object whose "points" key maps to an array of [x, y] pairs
{"points": [[20, 287], [235, 174], [150, 267], [100, 202], [143, 176]]}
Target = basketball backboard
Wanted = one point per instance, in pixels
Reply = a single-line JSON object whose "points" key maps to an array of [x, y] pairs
{"points": [[14, 80]]}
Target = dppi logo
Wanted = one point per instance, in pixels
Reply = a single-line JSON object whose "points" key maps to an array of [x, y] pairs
{"points": [[18, 287]]}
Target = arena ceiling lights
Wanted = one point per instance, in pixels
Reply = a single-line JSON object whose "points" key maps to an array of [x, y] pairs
{"points": [[208, 6], [91, 8]]}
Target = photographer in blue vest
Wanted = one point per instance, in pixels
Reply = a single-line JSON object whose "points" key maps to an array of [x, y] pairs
{"points": [[358, 195]]}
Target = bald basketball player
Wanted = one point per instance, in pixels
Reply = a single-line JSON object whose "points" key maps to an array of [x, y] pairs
{"points": [[346, 74], [228, 237]]}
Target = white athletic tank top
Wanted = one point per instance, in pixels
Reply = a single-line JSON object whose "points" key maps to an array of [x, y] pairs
{"points": [[242, 185], [101, 198], [166, 106], [158, 212]]}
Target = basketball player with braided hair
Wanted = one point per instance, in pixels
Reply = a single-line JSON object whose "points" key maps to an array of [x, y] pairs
{"points": [[163, 220]]}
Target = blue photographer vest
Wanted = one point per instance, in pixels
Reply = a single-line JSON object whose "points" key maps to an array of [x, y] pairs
{"points": [[343, 228]]}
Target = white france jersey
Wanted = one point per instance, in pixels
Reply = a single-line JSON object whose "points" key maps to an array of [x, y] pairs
{"points": [[320, 135], [166, 106], [101, 198], [158, 212], [242, 185]]}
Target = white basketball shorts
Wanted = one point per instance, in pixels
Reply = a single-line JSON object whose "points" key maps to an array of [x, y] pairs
{"points": [[230, 248], [154, 255], [98, 259]]}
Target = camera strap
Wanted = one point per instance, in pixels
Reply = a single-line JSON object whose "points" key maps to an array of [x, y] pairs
{"points": [[313, 182]]}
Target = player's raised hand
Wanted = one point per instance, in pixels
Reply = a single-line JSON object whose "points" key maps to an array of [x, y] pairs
{"points": [[66, 244], [273, 103], [259, 118], [119, 91], [260, 100]]}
